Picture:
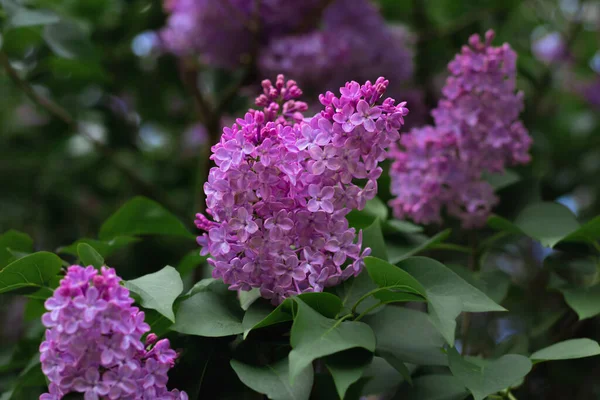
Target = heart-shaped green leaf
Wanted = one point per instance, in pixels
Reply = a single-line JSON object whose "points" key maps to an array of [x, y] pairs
{"points": [[89, 256], [314, 336], [490, 377], [159, 290], [274, 381]]}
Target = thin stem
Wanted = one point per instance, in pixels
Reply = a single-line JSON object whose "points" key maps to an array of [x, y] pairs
{"points": [[368, 310], [63, 115], [452, 247]]}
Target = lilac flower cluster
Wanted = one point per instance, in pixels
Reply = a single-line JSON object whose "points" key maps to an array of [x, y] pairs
{"points": [[93, 342], [222, 31], [476, 130], [319, 43], [283, 186], [339, 49]]}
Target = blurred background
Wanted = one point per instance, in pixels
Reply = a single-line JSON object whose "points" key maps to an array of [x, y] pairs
{"points": [[103, 100]]}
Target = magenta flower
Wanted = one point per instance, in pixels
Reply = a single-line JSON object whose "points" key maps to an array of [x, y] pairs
{"points": [[476, 130], [104, 356], [284, 230]]}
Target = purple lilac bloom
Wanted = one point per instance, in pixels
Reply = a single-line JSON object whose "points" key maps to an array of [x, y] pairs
{"points": [[340, 49], [284, 184], [222, 31], [93, 342], [476, 130]]}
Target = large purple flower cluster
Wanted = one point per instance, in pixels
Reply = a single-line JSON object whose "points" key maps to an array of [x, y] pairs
{"points": [[284, 184], [319, 43], [223, 31], [476, 130], [93, 342], [339, 49]]}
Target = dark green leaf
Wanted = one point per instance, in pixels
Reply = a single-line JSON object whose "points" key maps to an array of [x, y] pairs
{"points": [[327, 304], [373, 238], [500, 181], [67, 39], [376, 208], [158, 290], [569, 349], [208, 314], [274, 380], [34, 270], [402, 226], [104, 247], [548, 223], [190, 262], [397, 364], [439, 238], [585, 301], [588, 232], [89, 256], [347, 367], [448, 294], [382, 378], [436, 387], [141, 216], [248, 297], [491, 377], [409, 335], [388, 276], [353, 289], [13, 241], [314, 336]]}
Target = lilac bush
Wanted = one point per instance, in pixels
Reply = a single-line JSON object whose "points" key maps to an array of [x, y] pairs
{"points": [[284, 184], [476, 130], [93, 342]]}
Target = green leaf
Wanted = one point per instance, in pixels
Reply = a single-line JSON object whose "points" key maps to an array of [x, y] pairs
{"points": [[438, 238], [209, 314], [388, 276], [491, 377], [190, 262], [158, 290], [263, 315], [104, 247], [409, 335], [314, 336], [448, 294], [373, 238], [347, 367], [353, 289], [67, 39], [382, 378], [34, 270], [142, 216], [12, 240], [273, 380], [89, 256], [567, 350], [585, 301], [25, 17], [402, 226], [588, 232], [436, 387], [548, 223], [376, 208], [397, 364], [500, 181], [248, 297]]}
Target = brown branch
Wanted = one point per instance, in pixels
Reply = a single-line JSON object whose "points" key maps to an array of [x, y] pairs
{"points": [[62, 114]]}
